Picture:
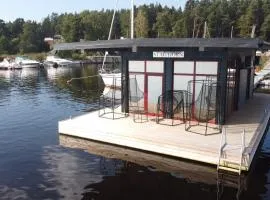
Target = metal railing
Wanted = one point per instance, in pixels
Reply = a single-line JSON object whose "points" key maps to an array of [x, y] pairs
{"points": [[223, 143]]}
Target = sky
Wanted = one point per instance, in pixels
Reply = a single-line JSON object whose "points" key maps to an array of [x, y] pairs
{"points": [[39, 9]]}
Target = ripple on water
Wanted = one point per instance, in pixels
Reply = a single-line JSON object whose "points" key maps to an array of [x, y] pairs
{"points": [[34, 166]]}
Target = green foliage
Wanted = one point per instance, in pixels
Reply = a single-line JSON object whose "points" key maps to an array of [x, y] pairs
{"points": [[141, 24], [78, 56], [163, 26], [263, 61], [30, 38], [39, 56], [179, 29], [223, 18], [265, 29]]}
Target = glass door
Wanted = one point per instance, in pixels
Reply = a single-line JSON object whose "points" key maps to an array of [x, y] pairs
{"points": [[149, 78]]}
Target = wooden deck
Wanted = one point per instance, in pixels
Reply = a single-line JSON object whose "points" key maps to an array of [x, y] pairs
{"points": [[174, 140]]}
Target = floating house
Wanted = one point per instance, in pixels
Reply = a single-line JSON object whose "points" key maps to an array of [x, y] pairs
{"points": [[202, 83]]}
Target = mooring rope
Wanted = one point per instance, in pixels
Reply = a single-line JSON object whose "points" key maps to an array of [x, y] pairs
{"points": [[79, 78], [106, 53]]}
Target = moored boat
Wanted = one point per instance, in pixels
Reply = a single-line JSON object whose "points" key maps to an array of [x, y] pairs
{"points": [[7, 64], [111, 79], [54, 61], [26, 62]]}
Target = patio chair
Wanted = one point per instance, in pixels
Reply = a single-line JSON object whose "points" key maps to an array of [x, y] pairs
{"points": [[110, 101], [204, 106], [136, 101], [171, 105]]}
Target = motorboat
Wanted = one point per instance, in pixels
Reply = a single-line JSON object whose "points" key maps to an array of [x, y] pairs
{"points": [[7, 64], [25, 62], [54, 61]]}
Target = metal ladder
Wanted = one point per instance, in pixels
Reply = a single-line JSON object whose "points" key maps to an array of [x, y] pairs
{"points": [[223, 161]]}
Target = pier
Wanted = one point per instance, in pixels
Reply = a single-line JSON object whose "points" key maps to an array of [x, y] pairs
{"points": [[174, 140]]}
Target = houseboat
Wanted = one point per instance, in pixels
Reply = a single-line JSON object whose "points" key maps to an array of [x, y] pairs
{"points": [[193, 99]]}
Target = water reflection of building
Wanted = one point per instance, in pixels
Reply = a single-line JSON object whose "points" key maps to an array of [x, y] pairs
{"points": [[149, 176]]}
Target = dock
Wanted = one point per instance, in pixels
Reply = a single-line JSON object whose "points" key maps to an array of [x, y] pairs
{"points": [[175, 141]]}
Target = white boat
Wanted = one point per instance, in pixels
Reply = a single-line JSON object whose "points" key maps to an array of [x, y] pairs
{"points": [[54, 61], [9, 65], [111, 79], [26, 62]]}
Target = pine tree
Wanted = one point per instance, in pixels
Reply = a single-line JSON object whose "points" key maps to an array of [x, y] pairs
{"points": [[141, 24]]}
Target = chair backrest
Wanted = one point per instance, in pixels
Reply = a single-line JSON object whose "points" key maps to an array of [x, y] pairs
{"points": [[204, 106], [171, 101], [135, 93]]}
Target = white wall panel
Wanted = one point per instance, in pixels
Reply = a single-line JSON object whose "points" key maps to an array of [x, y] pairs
{"points": [[136, 66], [155, 66], [184, 67], [181, 82], [206, 67]]}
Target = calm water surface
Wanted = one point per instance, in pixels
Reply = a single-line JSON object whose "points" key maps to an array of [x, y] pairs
{"points": [[34, 166]]}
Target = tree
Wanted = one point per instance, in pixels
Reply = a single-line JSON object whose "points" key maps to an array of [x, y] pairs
{"points": [[163, 25], [179, 29], [71, 28], [265, 29], [47, 27], [253, 15], [16, 28], [124, 18], [31, 39], [141, 24], [4, 45]]}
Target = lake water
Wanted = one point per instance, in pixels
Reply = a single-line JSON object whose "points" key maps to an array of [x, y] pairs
{"points": [[34, 166]]}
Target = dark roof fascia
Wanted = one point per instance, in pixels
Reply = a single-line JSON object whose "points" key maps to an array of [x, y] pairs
{"points": [[263, 45], [129, 44]]}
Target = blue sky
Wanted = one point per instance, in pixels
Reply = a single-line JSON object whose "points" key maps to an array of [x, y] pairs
{"points": [[39, 9]]}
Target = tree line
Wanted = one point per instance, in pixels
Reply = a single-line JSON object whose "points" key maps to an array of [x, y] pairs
{"points": [[208, 18]]}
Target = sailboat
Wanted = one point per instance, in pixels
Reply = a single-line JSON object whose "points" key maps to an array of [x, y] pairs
{"points": [[114, 79]]}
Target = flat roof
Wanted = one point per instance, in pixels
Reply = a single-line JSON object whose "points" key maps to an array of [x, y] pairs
{"points": [[129, 44]]}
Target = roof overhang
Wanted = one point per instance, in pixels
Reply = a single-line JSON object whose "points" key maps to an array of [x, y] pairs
{"points": [[131, 44]]}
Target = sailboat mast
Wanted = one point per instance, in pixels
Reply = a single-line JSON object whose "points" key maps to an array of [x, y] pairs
{"points": [[132, 20], [112, 22], [109, 36]]}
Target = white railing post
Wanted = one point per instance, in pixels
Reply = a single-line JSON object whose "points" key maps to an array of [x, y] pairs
{"points": [[223, 136], [242, 150]]}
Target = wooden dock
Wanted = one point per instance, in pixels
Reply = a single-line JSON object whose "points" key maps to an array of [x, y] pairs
{"points": [[174, 140]]}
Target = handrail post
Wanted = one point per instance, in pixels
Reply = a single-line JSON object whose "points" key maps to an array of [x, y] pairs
{"points": [[242, 150], [244, 139], [223, 136]]}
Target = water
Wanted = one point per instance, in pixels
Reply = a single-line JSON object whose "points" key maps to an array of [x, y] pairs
{"points": [[34, 166]]}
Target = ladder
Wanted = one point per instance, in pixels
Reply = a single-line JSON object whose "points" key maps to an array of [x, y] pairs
{"points": [[223, 161]]}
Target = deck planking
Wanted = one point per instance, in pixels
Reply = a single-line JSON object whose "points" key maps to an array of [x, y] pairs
{"points": [[174, 140]]}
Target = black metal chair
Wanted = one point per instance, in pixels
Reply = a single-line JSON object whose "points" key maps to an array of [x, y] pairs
{"points": [[110, 101], [136, 101], [171, 105], [203, 108]]}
